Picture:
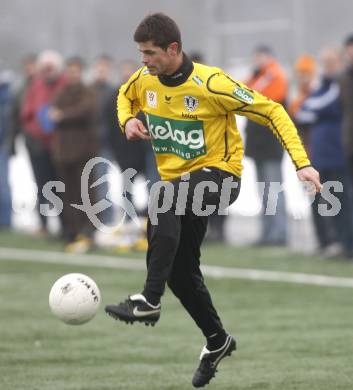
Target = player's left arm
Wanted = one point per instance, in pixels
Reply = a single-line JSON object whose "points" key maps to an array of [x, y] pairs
{"points": [[234, 96]]}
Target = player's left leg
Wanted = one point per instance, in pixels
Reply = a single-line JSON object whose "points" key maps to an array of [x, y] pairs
{"points": [[187, 283]]}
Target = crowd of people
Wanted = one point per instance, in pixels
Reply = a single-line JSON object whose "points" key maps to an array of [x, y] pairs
{"points": [[66, 120], [321, 108]]}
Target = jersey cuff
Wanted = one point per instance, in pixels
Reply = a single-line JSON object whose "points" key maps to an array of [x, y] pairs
{"points": [[124, 124], [305, 166]]}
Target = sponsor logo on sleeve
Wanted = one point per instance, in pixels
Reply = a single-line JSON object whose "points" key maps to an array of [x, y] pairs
{"points": [[243, 95], [197, 80]]}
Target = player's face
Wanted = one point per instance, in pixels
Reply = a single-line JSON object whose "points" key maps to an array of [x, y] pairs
{"points": [[158, 60]]}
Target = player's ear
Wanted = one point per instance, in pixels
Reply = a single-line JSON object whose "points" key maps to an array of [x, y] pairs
{"points": [[173, 48]]}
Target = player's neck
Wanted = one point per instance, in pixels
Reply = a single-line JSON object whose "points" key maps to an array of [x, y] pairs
{"points": [[176, 65]]}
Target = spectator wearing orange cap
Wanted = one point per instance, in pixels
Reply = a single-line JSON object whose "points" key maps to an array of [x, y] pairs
{"points": [[305, 75]]}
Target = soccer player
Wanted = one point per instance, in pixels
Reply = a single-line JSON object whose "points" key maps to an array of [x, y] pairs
{"points": [[190, 111]]}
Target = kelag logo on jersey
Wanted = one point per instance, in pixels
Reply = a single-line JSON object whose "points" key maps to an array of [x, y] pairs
{"points": [[243, 95], [183, 138]]}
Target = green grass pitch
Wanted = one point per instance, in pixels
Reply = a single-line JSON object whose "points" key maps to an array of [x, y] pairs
{"points": [[290, 336]]}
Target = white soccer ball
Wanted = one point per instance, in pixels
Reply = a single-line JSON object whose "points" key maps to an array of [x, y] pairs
{"points": [[74, 299]]}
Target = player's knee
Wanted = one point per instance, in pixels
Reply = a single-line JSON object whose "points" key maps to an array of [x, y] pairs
{"points": [[176, 286]]}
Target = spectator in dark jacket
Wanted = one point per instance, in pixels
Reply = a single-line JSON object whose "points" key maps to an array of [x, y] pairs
{"points": [[5, 193], [346, 83], [322, 110], [138, 154], [105, 93], [74, 111], [262, 146]]}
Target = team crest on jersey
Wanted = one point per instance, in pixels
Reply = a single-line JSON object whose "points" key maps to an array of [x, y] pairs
{"points": [[151, 99], [191, 103]]}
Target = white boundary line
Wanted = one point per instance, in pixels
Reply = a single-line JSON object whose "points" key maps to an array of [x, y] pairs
{"points": [[49, 257]]}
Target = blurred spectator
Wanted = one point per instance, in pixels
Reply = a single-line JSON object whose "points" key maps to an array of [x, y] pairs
{"points": [[5, 193], [305, 77], [102, 85], [138, 154], [346, 83], [269, 79], [196, 56], [322, 110], [74, 111], [29, 66], [39, 139]]}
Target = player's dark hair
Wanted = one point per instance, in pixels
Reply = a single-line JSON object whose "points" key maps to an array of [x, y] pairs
{"points": [[160, 29], [349, 40]]}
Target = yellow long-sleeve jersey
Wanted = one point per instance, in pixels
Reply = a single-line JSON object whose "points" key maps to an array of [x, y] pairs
{"points": [[193, 125]]}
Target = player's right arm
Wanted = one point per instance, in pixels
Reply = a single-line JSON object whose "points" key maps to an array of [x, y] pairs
{"points": [[128, 106]]}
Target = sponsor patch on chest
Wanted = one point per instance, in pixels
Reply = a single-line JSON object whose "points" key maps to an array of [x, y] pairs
{"points": [[185, 139], [151, 97]]}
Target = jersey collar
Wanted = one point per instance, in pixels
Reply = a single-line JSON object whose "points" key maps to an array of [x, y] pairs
{"points": [[180, 76]]}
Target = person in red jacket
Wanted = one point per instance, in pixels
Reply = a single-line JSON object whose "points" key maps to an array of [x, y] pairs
{"points": [[270, 80], [39, 95]]}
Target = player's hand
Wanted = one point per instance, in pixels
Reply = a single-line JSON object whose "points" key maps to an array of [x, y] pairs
{"points": [[134, 129], [311, 175]]}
